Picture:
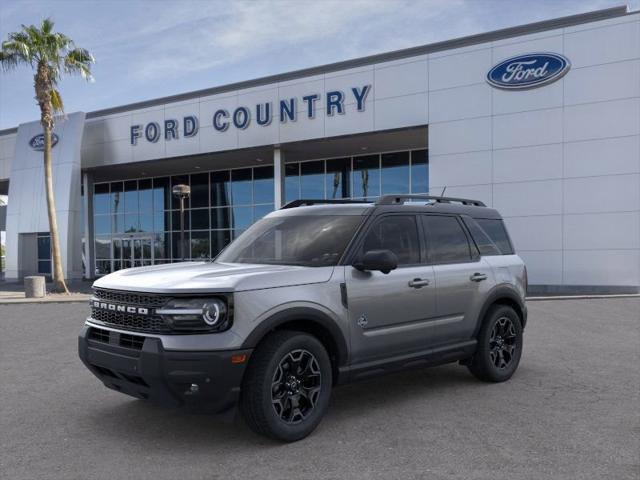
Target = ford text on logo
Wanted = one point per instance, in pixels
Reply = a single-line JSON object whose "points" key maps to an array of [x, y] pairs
{"points": [[528, 71], [120, 308], [37, 142], [283, 111]]}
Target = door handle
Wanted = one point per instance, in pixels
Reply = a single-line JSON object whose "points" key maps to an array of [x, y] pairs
{"points": [[418, 283], [477, 277]]}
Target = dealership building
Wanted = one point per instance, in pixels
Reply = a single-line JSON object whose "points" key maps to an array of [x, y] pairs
{"points": [[541, 121]]}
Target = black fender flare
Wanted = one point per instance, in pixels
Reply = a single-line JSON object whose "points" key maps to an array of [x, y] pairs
{"points": [[498, 293], [301, 314]]}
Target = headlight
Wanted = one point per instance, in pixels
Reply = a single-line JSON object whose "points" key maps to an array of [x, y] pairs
{"points": [[196, 314]]}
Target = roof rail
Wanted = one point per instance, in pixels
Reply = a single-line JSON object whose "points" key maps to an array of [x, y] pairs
{"points": [[400, 199], [308, 202]]}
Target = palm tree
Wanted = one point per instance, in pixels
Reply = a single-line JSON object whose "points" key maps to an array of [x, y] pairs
{"points": [[50, 55]]}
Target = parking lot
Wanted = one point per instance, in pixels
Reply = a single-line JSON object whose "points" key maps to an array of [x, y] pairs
{"points": [[571, 412]]}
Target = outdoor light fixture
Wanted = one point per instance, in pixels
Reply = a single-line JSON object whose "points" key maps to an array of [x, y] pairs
{"points": [[182, 192]]}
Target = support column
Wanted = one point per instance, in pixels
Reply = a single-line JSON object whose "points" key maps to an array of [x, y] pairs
{"points": [[278, 177], [87, 200]]}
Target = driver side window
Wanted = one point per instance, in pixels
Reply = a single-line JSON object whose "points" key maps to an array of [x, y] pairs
{"points": [[398, 233]]}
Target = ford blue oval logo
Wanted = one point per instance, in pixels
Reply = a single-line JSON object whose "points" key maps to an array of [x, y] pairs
{"points": [[37, 142], [528, 71]]}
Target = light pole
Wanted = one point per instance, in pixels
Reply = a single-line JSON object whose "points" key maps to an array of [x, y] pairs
{"points": [[182, 192]]}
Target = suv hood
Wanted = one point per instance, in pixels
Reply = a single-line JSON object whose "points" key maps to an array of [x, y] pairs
{"points": [[201, 277]]}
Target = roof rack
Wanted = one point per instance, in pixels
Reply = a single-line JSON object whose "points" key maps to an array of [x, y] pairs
{"points": [[400, 199], [308, 202]]}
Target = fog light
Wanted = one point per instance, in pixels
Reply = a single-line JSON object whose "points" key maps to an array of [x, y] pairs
{"points": [[193, 389]]}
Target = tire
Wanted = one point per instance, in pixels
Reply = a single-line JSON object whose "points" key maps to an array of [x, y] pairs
{"points": [[279, 404], [499, 345]]}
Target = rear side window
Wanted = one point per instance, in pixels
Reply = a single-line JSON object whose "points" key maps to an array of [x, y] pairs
{"points": [[397, 233], [482, 239], [497, 233], [446, 240]]}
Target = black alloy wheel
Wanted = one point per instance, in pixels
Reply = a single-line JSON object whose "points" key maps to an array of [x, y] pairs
{"points": [[296, 386], [287, 386], [499, 345]]}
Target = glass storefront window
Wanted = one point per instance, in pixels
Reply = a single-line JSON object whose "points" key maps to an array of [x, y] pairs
{"points": [[179, 180], [101, 199], [312, 179], [200, 190], [220, 189], [420, 171], [225, 203], [395, 172], [366, 177], [292, 182], [263, 185], [241, 187], [337, 183]]}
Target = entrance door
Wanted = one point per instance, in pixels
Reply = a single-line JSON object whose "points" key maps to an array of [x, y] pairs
{"points": [[132, 251]]}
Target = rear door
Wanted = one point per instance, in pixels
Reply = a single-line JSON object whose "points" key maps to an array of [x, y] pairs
{"points": [[462, 278], [389, 313]]}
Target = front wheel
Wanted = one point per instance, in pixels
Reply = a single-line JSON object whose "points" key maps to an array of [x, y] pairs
{"points": [[287, 386], [499, 345]]}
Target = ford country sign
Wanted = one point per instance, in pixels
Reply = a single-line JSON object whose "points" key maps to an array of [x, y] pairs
{"points": [[37, 142], [528, 71]]}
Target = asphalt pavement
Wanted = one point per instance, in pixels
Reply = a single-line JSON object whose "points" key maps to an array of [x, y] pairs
{"points": [[572, 411]]}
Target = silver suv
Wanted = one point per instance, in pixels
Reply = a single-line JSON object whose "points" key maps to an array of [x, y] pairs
{"points": [[316, 294]]}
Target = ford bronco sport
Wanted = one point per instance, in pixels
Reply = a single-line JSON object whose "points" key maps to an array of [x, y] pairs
{"points": [[316, 294]]}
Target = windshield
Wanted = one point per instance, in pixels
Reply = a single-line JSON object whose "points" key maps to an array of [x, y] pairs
{"points": [[310, 241]]}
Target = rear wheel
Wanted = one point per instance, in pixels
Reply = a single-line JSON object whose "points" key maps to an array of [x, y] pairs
{"points": [[499, 345], [287, 386]]}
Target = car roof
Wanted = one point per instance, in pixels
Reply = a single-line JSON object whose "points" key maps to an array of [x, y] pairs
{"points": [[417, 204]]}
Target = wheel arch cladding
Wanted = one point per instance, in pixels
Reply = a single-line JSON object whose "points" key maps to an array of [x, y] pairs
{"points": [[506, 296], [307, 320]]}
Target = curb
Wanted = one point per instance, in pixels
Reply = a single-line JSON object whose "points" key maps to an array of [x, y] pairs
{"points": [[71, 299]]}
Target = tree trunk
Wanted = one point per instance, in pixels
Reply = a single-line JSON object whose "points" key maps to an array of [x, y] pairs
{"points": [[59, 284]]}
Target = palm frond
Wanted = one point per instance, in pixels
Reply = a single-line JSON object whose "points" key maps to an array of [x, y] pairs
{"points": [[79, 61], [56, 101]]}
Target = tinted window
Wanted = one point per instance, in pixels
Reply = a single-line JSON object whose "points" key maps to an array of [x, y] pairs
{"points": [[446, 240], [311, 241], [496, 231], [483, 241], [398, 234]]}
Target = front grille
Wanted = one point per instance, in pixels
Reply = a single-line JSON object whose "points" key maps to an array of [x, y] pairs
{"points": [[130, 321], [148, 300], [131, 341], [99, 335]]}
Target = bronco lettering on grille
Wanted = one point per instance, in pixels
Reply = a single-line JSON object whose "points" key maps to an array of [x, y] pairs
{"points": [[120, 308]]}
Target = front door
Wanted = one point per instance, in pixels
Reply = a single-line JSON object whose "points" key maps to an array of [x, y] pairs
{"points": [[389, 314], [132, 251]]}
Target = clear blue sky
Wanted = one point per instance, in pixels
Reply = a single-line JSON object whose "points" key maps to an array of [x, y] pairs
{"points": [[149, 49]]}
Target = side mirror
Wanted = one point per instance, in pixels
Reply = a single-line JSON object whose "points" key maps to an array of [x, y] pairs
{"points": [[382, 260]]}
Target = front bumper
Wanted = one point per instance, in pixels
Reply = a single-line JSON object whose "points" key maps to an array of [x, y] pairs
{"points": [[139, 366]]}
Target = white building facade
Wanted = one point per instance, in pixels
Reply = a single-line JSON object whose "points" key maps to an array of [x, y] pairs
{"points": [[540, 121]]}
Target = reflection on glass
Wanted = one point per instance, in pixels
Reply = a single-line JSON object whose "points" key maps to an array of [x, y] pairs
{"points": [[366, 176], [420, 171], [220, 218], [395, 172], [44, 267], [117, 223], [103, 247], [220, 189], [117, 198], [146, 222], [200, 219], [131, 196], [145, 195], [131, 223], [161, 221], [44, 247], [219, 240], [292, 182], [260, 211], [102, 224], [160, 241], [161, 194], [263, 185], [312, 179], [200, 190], [199, 245], [242, 217], [241, 186], [101, 198], [175, 220], [337, 179]]}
